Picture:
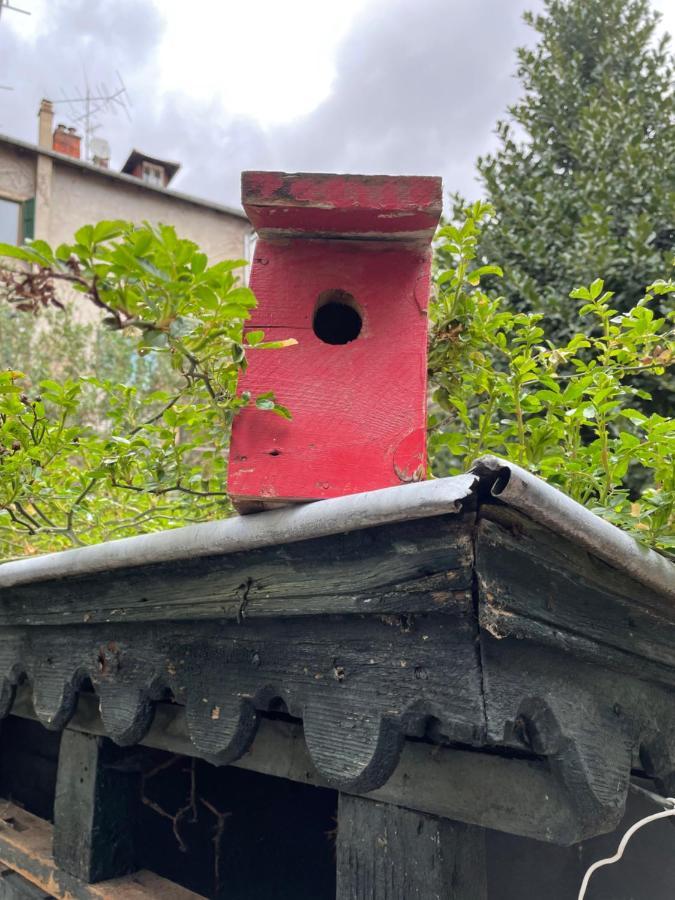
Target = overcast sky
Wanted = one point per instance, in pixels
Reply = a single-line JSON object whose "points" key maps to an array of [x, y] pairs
{"points": [[371, 86]]}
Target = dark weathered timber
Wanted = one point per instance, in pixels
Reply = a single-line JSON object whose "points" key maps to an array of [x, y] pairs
{"points": [[385, 852], [493, 633], [444, 781], [546, 579], [359, 683], [14, 887], [94, 810], [26, 848], [390, 569], [565, 715], [563, 647]]}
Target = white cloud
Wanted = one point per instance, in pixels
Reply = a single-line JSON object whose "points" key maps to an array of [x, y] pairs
{"points": [[268, 60]]}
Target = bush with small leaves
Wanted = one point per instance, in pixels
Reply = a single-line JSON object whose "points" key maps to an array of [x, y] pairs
{"points": [[564, 410], [90, 457]]}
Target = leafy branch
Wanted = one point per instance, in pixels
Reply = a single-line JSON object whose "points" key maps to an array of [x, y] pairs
{"points": [[67, 477], [567, 411]]}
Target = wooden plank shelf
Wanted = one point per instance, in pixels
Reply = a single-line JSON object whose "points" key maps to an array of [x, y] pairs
{"points": [[26, 848]]}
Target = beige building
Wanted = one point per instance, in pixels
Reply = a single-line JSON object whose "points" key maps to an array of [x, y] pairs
{"points": [[47, 191]]}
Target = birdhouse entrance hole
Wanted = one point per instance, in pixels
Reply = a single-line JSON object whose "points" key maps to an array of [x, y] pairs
{"points": [[337, 319]]}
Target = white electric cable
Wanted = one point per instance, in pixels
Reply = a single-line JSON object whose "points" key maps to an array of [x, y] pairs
{"points": [[624, 842], [666, 802]]}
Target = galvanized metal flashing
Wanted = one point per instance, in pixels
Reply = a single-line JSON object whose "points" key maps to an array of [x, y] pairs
{"points": [[280, 526], [504, 481], [548, 506]]}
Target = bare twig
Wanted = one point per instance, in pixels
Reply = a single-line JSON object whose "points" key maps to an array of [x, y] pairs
{"points": [[218, 833]]}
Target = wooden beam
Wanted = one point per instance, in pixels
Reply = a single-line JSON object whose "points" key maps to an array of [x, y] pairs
{"points": [[457, 784], [385, 852], [526, 573], [346, 574], [94, 810], [14, 887], [26, 848]]}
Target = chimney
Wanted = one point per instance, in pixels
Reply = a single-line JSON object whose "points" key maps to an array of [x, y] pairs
{"points": [[45, 124], [66, 141]]}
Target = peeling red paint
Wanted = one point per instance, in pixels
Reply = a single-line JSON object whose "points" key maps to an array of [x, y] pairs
{"points": [[358, 406]]}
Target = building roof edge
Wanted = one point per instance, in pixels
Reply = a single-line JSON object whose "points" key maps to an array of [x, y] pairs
{"points": [[121, 176]]}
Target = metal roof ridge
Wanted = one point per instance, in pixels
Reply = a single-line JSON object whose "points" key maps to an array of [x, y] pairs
{"points": [[550, 507], [505, 481], [290, 524]]}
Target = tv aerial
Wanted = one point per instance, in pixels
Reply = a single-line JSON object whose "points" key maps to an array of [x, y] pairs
{"points": [[86, 106], [5, 4]]}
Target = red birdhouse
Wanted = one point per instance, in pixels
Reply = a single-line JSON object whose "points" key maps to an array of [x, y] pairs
{"points": [[342, 265]]}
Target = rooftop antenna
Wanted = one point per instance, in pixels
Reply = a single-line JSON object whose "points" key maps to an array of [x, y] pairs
{"points": [[5, 4], [87, 105]]}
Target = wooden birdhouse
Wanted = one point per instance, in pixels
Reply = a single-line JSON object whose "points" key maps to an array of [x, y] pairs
{"points": [[342, 265]]}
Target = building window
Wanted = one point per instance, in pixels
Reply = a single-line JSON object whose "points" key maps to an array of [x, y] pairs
{"points": [[10, 217], [152, 174]]}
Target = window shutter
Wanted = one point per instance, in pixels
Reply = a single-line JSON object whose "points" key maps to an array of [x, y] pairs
{"points": [[28, 212]]}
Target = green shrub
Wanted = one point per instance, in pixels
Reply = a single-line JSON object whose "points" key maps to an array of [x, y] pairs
{"points": [[111, 444], [565, 411]]}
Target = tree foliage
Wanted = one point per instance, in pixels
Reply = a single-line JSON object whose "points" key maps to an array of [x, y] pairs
{"points": [[565, 410], [86, 457], [583, 180]]}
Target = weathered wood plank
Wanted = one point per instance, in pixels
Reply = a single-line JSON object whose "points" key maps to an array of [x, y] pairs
{"points": [[577, 663], [94, 810], [26, 848], [456, 784], [405, 567], [590, 724], [576, 667], [359, 683], [14, 887], [385, 852], [528, 572]]}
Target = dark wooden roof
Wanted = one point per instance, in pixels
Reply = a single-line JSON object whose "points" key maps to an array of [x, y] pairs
{"points": [[485, 614]]}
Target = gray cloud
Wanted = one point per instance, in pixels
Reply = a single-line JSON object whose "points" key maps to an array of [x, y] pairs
{"points": [[418, 88]]}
